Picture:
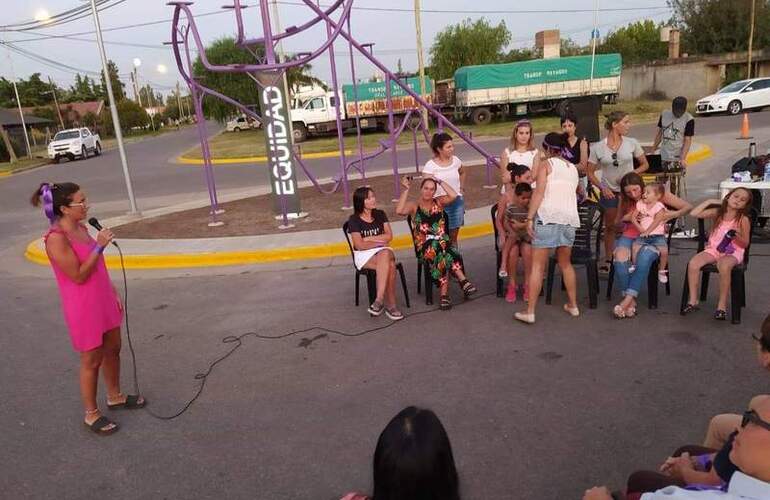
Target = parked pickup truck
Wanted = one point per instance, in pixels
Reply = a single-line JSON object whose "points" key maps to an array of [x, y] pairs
{"points": [[74, 143]]}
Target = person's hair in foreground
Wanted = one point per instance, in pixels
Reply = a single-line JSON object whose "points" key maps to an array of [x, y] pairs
{"points": [[413, 459]]}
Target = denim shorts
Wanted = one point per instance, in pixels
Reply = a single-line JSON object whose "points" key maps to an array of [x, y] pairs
{"points": [[455, 212], [553, 235], [624, 242], [606, 203]]}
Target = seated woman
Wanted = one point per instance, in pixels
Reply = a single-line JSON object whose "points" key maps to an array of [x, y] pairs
{"points": [[630, 280], [370, 231], [514, 240], [432, 237], [413, 460], [726, 245]]}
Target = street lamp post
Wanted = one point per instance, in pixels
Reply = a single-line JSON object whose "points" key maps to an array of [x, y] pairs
{"points": [[137, 63], [114, 110]]}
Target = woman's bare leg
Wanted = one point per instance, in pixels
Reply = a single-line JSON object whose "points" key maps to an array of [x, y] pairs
{"points": [[539, 260], [564, 259]]}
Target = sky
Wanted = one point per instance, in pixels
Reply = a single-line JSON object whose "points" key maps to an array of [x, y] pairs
{"points": [[392, 32]]}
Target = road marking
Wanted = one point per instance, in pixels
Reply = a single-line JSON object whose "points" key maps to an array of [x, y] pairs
{"points": [[254, 159]]}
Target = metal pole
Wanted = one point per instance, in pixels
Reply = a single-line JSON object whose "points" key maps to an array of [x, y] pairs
{"points": [[21, 115], [594, 36], [178, 102], [337, 113], [751, 38], [56, 102], [114, 110], [420, 61]]}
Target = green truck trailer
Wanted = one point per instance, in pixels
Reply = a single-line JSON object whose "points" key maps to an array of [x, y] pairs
{"points": [[519, 88]]}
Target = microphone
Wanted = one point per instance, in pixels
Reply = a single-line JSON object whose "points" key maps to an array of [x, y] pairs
{"points": [[94, 222]]}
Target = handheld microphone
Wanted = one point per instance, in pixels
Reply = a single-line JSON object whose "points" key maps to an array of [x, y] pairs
{"points": [[94, 222]]}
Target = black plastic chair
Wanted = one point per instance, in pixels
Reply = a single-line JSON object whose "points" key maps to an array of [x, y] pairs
{"points": [[422, 270], [652, 276], [582, 255], [737, 276], [371, 275], [499, 282]]}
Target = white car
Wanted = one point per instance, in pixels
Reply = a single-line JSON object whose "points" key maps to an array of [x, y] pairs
{"points": [[74, 143], [734, 98], [241, 123]]}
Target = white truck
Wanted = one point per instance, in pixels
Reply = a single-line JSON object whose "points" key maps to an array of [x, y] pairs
{"points": [[74, 143], [241, 123]]}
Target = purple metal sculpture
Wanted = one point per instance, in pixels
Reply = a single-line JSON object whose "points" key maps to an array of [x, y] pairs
{"points": [[183, 34]]}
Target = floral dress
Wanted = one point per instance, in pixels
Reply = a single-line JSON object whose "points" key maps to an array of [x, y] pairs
{"points": [[433, 245]]}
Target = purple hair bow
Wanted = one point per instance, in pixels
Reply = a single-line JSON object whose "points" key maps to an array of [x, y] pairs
{"points": [[47, 196]]}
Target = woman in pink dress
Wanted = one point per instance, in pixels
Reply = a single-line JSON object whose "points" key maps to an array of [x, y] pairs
{"points": [[92, 309]]}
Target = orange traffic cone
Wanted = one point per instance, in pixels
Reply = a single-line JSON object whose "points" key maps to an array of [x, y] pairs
{"points": [[745, 127]]}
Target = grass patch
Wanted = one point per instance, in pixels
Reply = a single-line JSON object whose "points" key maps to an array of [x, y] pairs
{"points": [[21, 164], [251, 143]]}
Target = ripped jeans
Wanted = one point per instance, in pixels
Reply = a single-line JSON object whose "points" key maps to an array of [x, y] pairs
{"points": [[630, 283]]}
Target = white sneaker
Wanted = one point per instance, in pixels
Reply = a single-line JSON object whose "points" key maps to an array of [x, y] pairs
{"points": [[663, 276], [524, 317]]}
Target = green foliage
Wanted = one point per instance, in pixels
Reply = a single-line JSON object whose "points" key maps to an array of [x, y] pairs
{"points": [[131, 116], [516, 55], [716, 26], [465, 44], [118, 88], [569, 48], [31, 92], [237, 86], [300, 76], [84, 89], [637, 42], [149, 97]]}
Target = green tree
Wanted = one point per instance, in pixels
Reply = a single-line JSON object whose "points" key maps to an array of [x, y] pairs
{"points": [[516, 55], [118, 88], [237, 86], [84, 89], [637, 42], [465, 44], [570, 48], [131, 115], [300, 76], [716, 26]]}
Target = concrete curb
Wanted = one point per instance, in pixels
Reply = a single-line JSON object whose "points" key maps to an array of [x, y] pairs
{"points": [[253, 159], [229, 251]]}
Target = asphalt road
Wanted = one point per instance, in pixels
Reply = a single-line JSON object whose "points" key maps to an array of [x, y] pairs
{"points": [[537, 413]]}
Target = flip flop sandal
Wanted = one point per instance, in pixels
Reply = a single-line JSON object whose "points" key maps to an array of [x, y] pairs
{"points": [[618, 312], [605, 268], [132, 403], [445, 303], [689, 308], [99, 426], [468, 288], [720, 314], [630, 312]]}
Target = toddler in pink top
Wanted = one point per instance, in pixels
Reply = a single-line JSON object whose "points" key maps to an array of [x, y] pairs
{"points": [[649, 217]]}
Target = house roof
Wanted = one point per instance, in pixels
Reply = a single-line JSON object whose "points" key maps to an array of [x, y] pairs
{"points": [[73, 111], [10, 117]]}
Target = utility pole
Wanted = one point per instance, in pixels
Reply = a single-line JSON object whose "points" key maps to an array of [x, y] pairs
{"points": [[594, 36], [420, 61], [56, 101], [21, 115], [114, 110], [751, 37], [178, 101]]}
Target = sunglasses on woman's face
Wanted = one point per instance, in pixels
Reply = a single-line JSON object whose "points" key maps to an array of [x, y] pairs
{"points": [[83, 203], [752, 417]]}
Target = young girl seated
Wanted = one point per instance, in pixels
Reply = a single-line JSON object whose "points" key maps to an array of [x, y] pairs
{"points": [[649, 218], [726, 245], [512, 232]]}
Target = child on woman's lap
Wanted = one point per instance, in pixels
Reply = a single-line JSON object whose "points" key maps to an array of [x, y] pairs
{"points": [[512, 232], [649, 217]]}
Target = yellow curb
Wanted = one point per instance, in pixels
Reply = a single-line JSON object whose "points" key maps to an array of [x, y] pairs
{"points": [[214, 259], [4, 174], [697, 156], [253, 159]]}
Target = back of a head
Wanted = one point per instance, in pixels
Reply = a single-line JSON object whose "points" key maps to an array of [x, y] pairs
{"points": [[554, 143], [517, 170], [413, 459], [679, 106]]}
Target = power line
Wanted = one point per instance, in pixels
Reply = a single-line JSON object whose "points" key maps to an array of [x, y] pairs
{"points": [[482, 12], [61, 18]]}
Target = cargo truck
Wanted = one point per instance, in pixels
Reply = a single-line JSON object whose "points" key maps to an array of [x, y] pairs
{"points": [[313, 108], [526, 87]]}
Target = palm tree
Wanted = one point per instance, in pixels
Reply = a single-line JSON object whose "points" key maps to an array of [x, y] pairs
{"points": [[299, 76]]}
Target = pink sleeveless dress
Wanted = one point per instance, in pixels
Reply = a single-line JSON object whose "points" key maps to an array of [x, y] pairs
{"points": [[90, 308], [716, 238]]}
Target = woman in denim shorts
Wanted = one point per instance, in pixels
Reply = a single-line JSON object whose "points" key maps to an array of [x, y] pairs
{"points": [[551, 221], [445, 166]]}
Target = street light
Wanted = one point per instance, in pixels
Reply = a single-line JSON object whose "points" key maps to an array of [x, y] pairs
{"points": [[114, 109], [138, 90], [42, 16], [162, 69]]}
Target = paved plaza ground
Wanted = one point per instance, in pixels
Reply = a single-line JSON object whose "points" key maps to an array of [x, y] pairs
{"points": [[533, 412]]}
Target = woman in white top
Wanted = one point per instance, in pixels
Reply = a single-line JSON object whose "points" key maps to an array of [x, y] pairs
{"points": [[551, 222], [614, 156], [522, 149], [445, 166]]}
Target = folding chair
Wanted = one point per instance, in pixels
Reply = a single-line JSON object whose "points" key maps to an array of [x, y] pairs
{"points": [[422, 269]]}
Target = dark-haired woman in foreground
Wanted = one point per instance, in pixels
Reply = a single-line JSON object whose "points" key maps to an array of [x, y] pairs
{"points": [[413, 460], [371, 233], [92, 310]]}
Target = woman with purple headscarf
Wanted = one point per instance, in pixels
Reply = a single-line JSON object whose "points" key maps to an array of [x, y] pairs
{"points": [[92, 310]]}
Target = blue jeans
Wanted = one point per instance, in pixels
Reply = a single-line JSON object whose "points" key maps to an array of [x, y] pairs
{"points": [[629, 282]]}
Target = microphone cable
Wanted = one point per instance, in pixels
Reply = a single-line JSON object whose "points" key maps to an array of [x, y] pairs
{"points": [[237, 341]]}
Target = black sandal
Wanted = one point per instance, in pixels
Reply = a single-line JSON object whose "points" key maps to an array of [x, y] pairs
{"points": [[605, 268], [720, 314], [689, 308], [468, 288], [445, 303], [99, 426], [132, 403]]}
